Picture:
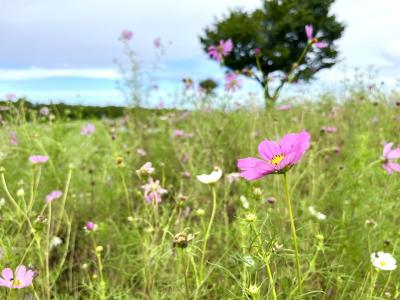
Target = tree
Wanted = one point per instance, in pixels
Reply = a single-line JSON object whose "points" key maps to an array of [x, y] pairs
{"points": [[270, 43], [208, 86]]}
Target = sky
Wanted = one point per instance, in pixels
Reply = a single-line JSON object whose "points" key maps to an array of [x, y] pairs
{"points": [[65, 50]]}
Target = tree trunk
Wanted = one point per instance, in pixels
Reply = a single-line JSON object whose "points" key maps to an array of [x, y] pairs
{"points": [[269, 101]]}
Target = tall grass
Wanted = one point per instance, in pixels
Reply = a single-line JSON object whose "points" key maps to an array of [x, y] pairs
{"points": [[144, 250]]}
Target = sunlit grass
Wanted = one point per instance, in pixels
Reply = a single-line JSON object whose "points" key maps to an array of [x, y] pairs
{"points": [[143, 250]]}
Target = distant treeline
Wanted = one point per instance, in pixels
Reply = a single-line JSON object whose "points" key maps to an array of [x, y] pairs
{"points": [[68, 111]]}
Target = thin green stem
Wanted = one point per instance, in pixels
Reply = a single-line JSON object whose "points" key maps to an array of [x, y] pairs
{"points": [[64, 199], [204, 249], [126, 191], [48, 234], [265, 258], [293, 228]]}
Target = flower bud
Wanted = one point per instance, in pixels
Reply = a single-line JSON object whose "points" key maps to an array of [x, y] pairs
{"points": [[20, 193], [182, 239], [200, 212], [251, 217]]}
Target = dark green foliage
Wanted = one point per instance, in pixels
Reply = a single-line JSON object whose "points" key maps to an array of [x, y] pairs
{"points": [[208, 85]]}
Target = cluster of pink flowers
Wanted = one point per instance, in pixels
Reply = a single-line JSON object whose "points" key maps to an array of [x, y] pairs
{"points": [[38, 159], [153, 191], [88, 129], [22, 278], [276, 157], [220, 51], [232, 82]]}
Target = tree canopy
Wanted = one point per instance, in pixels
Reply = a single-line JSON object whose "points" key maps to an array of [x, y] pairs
{"points": [[277, 29]]}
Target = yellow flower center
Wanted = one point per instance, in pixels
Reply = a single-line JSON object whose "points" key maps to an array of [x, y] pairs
{"points": [[16, 282], [382, 263], [277, 159]]}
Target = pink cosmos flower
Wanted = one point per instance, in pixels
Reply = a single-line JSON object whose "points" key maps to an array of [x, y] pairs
{"points": [[126, 35], [257, 51], [188, 83], [157, 42], [186, 174], [183, 134], [38, 159], [283, 107], [313, 40], [276, 157], [222, 50], [53, 196], [146, 169], [389, 155], [90, 226], [44, 111], [232, 82], [23, 278], [328, 129], [13, 138], [271, 200], [153, 191], [141, 152], [10, 97], [88, 129]]}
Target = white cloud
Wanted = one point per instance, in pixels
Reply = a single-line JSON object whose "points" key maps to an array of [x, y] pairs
{"points": [[40, 73]]}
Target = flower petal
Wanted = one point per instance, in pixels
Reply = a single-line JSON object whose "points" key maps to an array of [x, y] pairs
{"points": [[288, 160], [254, 168], [7, 274], [4, 282], [392, 154], [296, 142], [28, 278], [20, 273], [309, 31], [394, 167], [268, 149], [259, 165], [387, 168], [386, 149], [253, 174], [321, 45]]}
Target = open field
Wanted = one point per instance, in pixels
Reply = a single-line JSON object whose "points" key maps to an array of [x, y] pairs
{"points": [[131, 249]]}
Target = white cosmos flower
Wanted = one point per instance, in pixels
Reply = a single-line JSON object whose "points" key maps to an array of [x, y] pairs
{"points": [[245, 202], [213, 177], [317, 214], [383, 261], [55, 241]]}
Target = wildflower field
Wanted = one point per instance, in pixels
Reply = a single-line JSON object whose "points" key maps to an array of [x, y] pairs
{"points": [[116, 209]]}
